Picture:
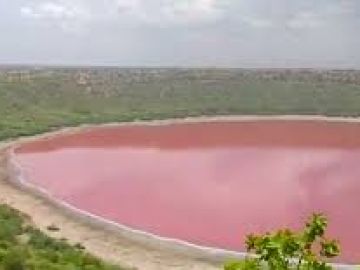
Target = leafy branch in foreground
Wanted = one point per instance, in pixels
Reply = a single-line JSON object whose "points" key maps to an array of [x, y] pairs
{"points": [[288, 250]]}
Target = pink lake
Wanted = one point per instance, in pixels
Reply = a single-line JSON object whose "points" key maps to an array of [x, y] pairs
{"points": [[208, 183]]}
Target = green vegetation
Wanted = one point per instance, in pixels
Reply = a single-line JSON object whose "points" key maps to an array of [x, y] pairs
{"points": [[22, 247], [48, 99], [287, 250]]}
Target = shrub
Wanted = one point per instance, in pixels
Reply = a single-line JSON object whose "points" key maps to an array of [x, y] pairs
{"points": [[25, 247], [286, 250], [14, 259], [11, 223]]}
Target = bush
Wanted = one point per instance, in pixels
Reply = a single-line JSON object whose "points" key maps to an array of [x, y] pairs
{"points": [[37, 251], [286, 250], [11, 223], [14, 259]]}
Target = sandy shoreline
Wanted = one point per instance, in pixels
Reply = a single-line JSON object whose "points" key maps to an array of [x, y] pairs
{"points": [[104, 243]]}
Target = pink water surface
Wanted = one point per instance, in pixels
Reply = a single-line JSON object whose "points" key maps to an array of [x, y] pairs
{"points": [[208, 183]]}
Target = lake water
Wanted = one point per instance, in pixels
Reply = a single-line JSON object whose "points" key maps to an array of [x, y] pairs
{"points": [[208, 183]]}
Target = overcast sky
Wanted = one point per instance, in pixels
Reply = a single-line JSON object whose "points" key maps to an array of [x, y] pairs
{"points": [[235, 33]]}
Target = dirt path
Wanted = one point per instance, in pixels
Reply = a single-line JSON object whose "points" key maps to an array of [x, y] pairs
{"points": [[103, 244]]}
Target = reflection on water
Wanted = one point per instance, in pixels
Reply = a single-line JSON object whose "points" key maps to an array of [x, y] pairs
{"points": [[212, 183]]}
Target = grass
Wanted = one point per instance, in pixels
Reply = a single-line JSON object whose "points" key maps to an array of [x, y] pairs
{"points": [[23, 247], [47, 102]]}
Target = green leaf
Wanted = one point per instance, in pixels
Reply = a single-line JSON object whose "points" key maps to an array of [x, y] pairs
{"points": [[288, 250], [330, 248]]}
